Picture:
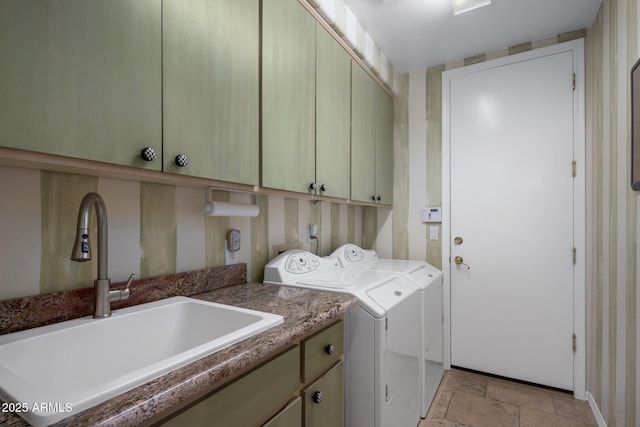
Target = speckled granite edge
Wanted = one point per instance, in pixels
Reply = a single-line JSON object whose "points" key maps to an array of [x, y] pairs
{"points": [[304, 313], [38, 310]]}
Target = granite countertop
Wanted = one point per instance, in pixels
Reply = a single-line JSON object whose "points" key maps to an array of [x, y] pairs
{"points": [[304, 312]]}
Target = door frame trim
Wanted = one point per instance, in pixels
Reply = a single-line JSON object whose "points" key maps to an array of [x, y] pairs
{"points": [[579, 201]]}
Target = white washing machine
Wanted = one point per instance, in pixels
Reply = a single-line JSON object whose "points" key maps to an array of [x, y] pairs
{"points": [[382, 344], [429, 280]]}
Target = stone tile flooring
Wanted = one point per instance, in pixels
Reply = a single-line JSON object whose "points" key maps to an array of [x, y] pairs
{"points": [[468, 399]]}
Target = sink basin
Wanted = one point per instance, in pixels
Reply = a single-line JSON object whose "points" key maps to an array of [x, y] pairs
{"points": [[57, 370]]}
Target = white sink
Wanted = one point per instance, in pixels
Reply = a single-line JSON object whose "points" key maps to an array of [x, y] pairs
{"points": [[57, 370]]}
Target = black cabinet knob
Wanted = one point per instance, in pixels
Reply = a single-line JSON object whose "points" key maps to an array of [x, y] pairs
{"points": [[312, 186], [323, 187], [329, 349], [148, 154], [317, 397], [181, 160]]}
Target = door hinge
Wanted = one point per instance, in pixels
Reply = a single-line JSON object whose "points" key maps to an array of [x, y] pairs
{"points": [[386, 323], [574, 255], [386, 392], [573, 81], [574, 168], [574, 342]]}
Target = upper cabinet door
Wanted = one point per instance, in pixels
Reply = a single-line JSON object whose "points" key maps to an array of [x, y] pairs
{"points": [[211, 88], [363, 151], [333, 117], [384, 147], [288, 96], [81, 78]]}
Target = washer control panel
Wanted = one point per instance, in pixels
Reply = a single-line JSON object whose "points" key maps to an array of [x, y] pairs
{"points": [[300, 262]]}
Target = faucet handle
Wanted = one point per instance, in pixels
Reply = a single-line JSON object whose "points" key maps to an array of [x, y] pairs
{"points": [[124, 292], [126, 287]]}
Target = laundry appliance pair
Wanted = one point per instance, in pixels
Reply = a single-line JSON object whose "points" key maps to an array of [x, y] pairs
{"points": [[393, 336]]}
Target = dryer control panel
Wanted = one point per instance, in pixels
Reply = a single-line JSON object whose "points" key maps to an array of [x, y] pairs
{"points": [[351, 255]]}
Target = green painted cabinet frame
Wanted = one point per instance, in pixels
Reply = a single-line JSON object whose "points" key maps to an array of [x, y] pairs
{"points": [[82, 78], [211, 88]]}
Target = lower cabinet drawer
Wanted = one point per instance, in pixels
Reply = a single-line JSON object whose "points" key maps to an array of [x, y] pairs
{"points": [[290, 416], [246, 401], [324, 399], [322, 350]]}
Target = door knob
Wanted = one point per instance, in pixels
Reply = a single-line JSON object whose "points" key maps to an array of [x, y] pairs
{"points": [[460, 261], [458, 240]]}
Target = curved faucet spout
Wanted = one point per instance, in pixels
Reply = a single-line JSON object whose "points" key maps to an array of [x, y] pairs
{"points": [[82, 247]]}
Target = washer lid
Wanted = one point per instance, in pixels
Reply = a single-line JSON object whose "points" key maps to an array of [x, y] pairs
{"points": [[391, 292]]}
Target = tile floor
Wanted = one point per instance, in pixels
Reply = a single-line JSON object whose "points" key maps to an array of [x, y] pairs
{"points": [[468, 399]]}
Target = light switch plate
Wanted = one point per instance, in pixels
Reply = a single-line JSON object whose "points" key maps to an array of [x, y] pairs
{"points": [[433, 232]]}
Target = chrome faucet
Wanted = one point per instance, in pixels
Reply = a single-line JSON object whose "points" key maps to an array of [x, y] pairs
{"points": [[82, 252]]}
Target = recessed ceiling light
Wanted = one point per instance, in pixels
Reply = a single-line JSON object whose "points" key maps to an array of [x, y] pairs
{"points": [[461, 6]]}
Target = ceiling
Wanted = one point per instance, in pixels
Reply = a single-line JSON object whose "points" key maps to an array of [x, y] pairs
{"points": [[417, 34]]}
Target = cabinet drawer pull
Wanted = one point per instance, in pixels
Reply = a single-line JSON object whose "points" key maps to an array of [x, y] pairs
{"points": [[312, 186], [148, 154], [323, 187], [181, 160], [317, 397], [329, 349]]}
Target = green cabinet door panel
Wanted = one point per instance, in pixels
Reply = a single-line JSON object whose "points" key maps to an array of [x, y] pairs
{"points": [[290, 416], [82, 78], [211, 88], [384, 147], [329, 410], [363, 116], [333, 117], [288, 96], [249, 400]]}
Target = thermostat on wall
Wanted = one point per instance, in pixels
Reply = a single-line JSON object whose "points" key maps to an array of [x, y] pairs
{"points": [[432, 214]]}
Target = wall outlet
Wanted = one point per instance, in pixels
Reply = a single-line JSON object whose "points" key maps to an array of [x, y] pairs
{"points": [[230, 257]]}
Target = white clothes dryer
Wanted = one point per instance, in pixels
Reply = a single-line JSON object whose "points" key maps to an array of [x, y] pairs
{"points": [[382, 343], [429, 280]]}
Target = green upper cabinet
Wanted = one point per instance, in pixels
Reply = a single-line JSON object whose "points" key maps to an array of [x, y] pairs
{"points": [[371, 140], [288, 96], [333, 117], [211, 88], [82, 78], [363, 153], [384, 147]]}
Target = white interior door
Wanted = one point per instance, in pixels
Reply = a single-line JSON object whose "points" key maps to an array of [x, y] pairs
{"points": [[511, 203]]}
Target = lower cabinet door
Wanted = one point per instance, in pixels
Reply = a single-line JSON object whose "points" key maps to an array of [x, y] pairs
{"points": [[324, 399], [249, 400], [290, 416]]}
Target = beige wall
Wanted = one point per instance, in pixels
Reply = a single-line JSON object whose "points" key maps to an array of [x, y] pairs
{"points": [[154, 229], [613, 348]]}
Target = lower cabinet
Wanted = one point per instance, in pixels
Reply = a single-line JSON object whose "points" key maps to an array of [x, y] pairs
{"points": [[302, 386]]}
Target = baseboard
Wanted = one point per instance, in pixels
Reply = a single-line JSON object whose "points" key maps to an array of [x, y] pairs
{"points": [[596, 411]]}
